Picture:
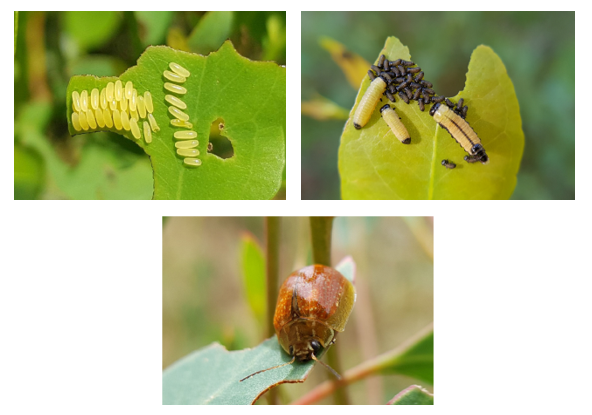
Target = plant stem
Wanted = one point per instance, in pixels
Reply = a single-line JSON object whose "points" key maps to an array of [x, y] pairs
{"points": [[363, 370], [272, 236], [320, 230]]}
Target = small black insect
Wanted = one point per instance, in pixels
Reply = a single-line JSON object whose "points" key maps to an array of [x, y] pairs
{"points": [[407, 63], [420, 103], [437, 99], [416, 95], [376, 69], [387, 76], [385, 65], [371, 75], [449, 164], [429, 91], [427, 84], [459, 104], [414, 70], [404, 97], [408, 92], [396, 63], [419, 77], [390, 96], [401, 70], [450, 104], [464, 111], [414, 85], [381, 60]]}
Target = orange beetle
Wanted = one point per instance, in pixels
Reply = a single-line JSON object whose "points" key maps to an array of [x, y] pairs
{"points": [[313, 304]]}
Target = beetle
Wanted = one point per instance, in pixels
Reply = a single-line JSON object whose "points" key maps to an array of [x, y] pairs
{"points": [[314, 304]]}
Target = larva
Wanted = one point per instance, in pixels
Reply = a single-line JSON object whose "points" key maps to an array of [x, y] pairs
{"points": [[368, 102], [448, 164], [460, 130], [389, 115]]}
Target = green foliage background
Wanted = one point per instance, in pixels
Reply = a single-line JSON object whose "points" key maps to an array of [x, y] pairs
{"points": [[51, 47], [205, 299], [537, 48]]}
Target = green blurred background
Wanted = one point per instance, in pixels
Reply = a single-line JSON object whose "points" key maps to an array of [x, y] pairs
{"points": [[204, 297], [538, 49], [51, 47]]}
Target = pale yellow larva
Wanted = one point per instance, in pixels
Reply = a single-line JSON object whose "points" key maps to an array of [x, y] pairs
{"points": [[184, 135], [368, 102], [179, 70], [175, 101], [389, 115], [176, 112], [147, 132], [177, 89]]}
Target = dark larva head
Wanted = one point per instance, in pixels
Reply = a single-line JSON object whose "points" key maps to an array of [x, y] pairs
{"points": [[381, 60], [384, 107], [357, 126], [434, 109], [450, 104], [419, 77], [371, 75], [437, 99], [404, 97], [427, 84], [390, 96], [421, 107], [459, 104], [413, 70], [448, 164], [396, 63]]}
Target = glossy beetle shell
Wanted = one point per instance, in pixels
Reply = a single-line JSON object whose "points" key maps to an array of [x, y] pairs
{"points": [[313, 304]]}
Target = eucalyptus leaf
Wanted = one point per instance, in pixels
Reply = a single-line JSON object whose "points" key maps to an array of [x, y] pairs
{"points": [[250, 97], [373, 164]]}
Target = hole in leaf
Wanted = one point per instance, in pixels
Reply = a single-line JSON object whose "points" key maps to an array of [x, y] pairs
{"points": [[218, 144]]}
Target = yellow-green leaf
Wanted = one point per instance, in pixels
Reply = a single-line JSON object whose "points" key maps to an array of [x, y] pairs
{"points": [[353, 66], [373, 164]]}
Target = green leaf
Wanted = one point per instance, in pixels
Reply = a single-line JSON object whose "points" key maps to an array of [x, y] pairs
{"points": [[28, 173], [417, 361], [413, 395], [15, 29], [249, 96], [91, 28], [212, 29], [353, 65], [274, 44], [373, 164], [211, 375], [253, 267]]}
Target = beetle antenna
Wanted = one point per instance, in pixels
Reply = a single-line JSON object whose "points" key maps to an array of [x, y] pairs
{"points": [[275, 367], [327, 366]]}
